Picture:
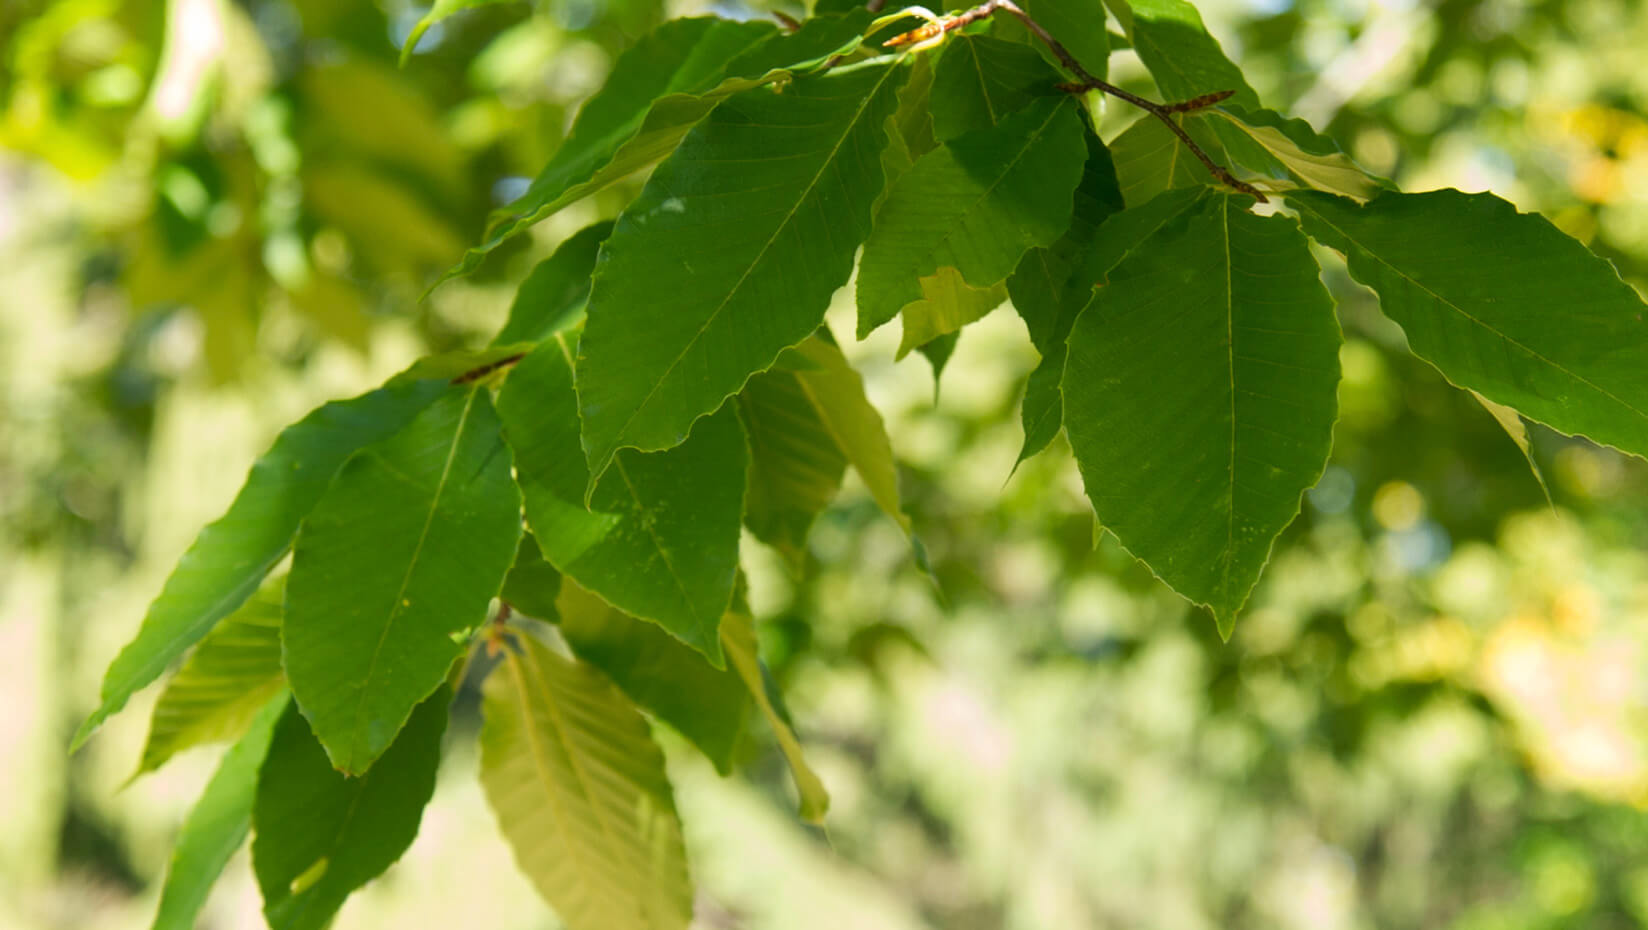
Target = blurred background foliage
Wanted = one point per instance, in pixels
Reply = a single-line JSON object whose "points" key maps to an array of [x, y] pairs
{"points": [[215, 214]]}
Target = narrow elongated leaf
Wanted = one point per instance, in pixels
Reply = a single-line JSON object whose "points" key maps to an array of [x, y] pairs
{"points": [[707, 705], [320, 834], [980, 81], [660, 538], [230, 557], [1199, 397], [977, 204], [658, 91], [1308, 156], [1050, 287], [217, 824], [729, 255], [1517, 429], [837, 393], [404, 552], [1502, 303], [554, 293], [738, 635], [796, 466], [581, 795], [224, 684]]}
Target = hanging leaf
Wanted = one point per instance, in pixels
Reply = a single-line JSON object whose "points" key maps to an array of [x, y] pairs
{"points": [[729, 255], [796, 466], [937, 352], [1502, 303], [553, 295], [660, 538], [1517, 429], [581, 795], [980, 81], [532, 584], [1052, 285], [217, 824], [708, 706], [321, 834], [977, 204], [230, 678], [738, 636], [230, 557], [1199, 396], [400, 557], [947, 304]]}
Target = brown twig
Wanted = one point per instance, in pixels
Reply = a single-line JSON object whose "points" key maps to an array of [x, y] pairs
{"points": [[1087, 81], [790, 23], [476, 374]]}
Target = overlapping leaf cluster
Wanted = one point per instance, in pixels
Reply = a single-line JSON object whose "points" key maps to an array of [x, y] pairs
{"points": [[665, 382]]}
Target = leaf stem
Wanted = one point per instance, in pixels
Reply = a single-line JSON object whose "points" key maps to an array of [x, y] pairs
{"points": [[1087, 81]]}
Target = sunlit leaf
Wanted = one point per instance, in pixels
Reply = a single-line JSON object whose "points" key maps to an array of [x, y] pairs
{"points": [[1079, 27], [1200, 396], [947, 304], [1502, 303], [729, 255], [581, 795], [226, 681], [217, 824], [660, 538], [402, 554], [707, 705], [1310, 157], [1150, 159], [320, 834], [976, 204], [230, 557], [738, 635], [438, 11]]}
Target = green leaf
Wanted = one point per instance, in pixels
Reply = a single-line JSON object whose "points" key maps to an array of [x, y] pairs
{"points": [[1199, 396], [440, 10], [1151, 160], [532, 584], [657, 91], [552, 297], [320, 834], [230, 557], [463, 365], [217, 824], [977, 204], [401, 556], [937, 352], [729, 255], [1079, 27], [1185, 60], [738, 636], [1502, 303], [947, 304], [837, 393], [796, 465], [709, 706], [1517, 429], [221, 688], [1308, 156], [580, 792], [1052, 285], [660, 539], [980, 81]]}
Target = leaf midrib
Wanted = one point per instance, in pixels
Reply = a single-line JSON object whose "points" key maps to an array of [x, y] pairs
{"points": [[789, 217], [1363, 247]]}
